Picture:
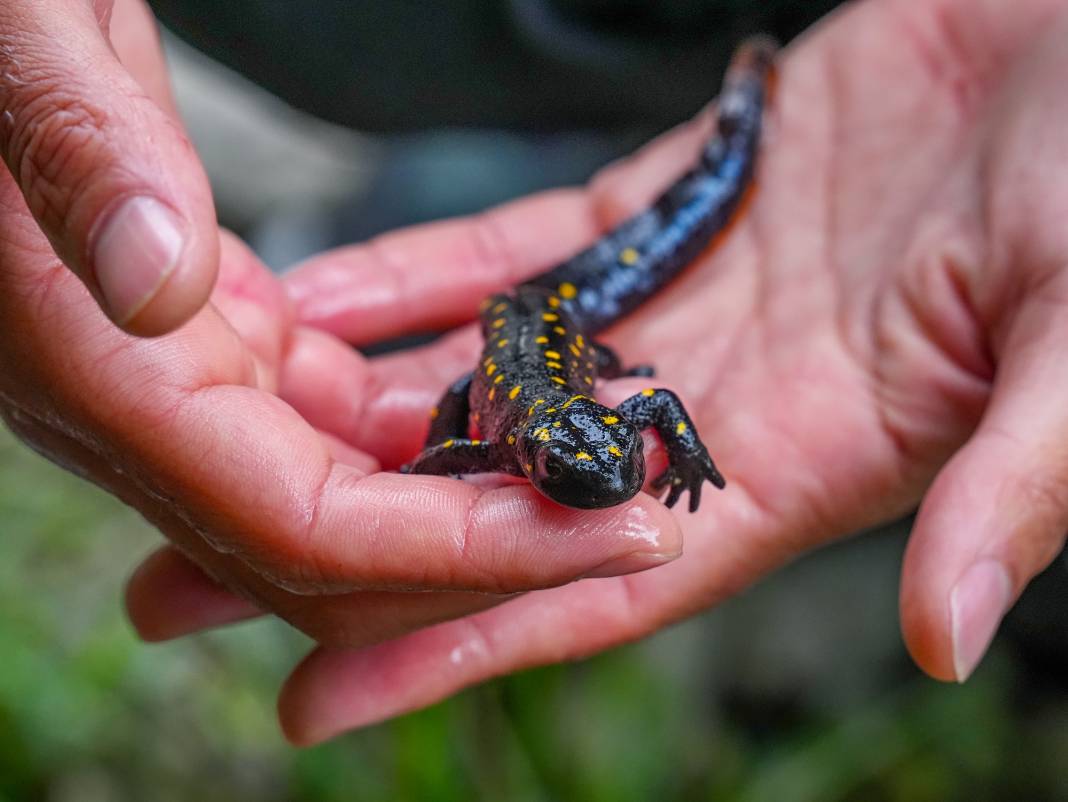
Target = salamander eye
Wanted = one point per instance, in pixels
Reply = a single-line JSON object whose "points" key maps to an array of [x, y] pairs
{"points": [[550, 466]]}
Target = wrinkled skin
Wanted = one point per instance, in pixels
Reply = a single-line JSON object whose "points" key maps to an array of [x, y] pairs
{"points": [[889, 319]]}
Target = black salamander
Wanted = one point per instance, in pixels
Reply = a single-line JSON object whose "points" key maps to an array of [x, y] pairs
{"points": [[530, 395]]}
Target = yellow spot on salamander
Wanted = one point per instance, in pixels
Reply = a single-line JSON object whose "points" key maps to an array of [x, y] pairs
{"points": [[629, 256], [549, 317], [580, 341], [487, 360], [499, 308], [681, 428], [434, 413], [588, 380], [572, 400], [499, 379], [568, 290], [557, 379], [541, 340], [552, 355], [583, 455], [476, 442], [491, 369], [542, 434], [611, 420], [528, 467], [575, 350], [614, 451], [502, 343], [550, 410], [511, 439], [492, 392], [648, 392], [530, 412], [557, 425], [448, 443], [515, 391], [559, 329], [539, 401], [498, 323], [554, 302], [554, 365]]}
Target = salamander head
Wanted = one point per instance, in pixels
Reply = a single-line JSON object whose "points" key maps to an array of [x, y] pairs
{"points": [[583, 455]]}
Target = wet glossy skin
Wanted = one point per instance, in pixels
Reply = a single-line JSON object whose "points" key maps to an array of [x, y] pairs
{"points": [[573, 449], [529, 397]]}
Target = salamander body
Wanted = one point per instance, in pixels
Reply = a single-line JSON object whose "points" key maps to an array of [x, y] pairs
{"points": [[531, 394]]}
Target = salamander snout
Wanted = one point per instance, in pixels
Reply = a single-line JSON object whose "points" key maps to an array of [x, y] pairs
{"points": [[590, 477]]}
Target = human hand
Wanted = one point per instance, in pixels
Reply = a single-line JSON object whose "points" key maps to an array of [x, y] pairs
{"points": [[90, 136], [188, 429], [883, 326]]}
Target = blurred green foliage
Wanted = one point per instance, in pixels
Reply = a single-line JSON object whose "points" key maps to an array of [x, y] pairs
{"points": [[88, 713]]}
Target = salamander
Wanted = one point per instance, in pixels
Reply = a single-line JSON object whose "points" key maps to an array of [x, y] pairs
{"points": [[531, 396]]}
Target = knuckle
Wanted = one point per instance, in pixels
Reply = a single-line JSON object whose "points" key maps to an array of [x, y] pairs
{"points": [[56, 140], [56, 133]]}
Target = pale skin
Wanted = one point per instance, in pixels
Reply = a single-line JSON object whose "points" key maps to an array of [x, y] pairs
{"points": [[883, 329]]}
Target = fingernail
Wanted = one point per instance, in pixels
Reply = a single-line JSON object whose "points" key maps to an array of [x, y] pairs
{"points": [[977, 604], [629, 564], [137, 249]]}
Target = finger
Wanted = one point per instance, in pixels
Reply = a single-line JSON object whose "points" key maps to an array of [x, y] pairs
{"points": [[379, 406], [133, 34], [172, 594], [433, 276], [729, 545], [255, 305], [253, 469], [342, 452], [106, 173], [168, 596], [998, 511], [333, 690], [369, 292]]}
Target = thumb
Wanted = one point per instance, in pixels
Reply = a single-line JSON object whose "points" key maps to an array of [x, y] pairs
{"points": [[998, 511], [108, 175]]}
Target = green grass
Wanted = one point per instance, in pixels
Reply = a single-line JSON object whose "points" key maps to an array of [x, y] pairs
{"points": [[89, 713]]}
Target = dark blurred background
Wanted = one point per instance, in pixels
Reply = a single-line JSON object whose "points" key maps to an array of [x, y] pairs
{"points": [[324, 123], [462, 103]]}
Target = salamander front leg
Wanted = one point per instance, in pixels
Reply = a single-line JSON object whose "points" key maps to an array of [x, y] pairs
{"points": [[689, 464], [458, 456], [609, 365], [450, 417]]}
